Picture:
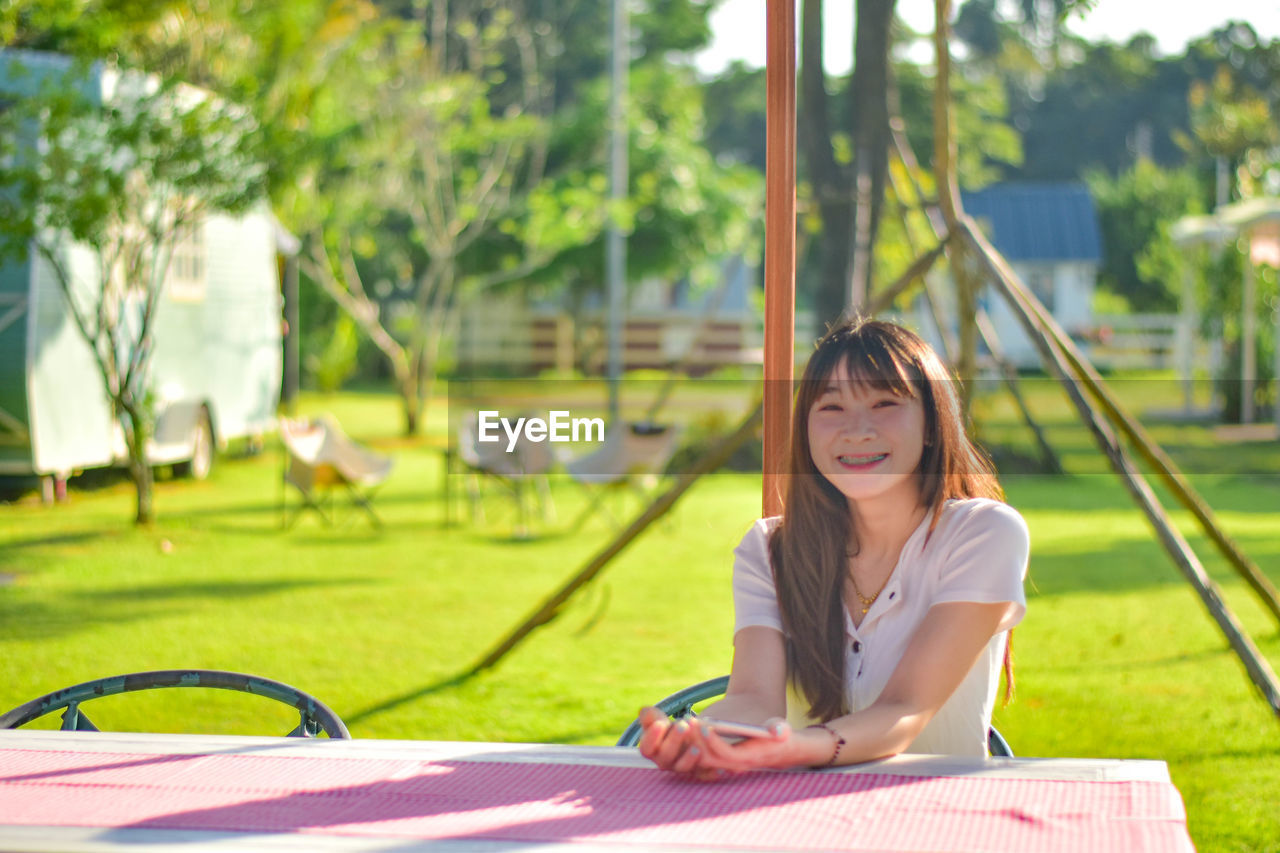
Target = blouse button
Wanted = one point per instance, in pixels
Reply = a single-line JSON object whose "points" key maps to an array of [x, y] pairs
{"points": [[891, 595], [857, 647]]}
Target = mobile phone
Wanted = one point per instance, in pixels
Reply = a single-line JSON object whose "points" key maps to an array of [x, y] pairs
{"points": [[728, 728]]}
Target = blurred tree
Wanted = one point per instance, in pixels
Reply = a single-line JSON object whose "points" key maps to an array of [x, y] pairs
{"points": [[1118, 104], [686, 212], [1106, 105], [735, 115], [126, 180], [1233, 122], [987, 145], [92, 29], [444, 154], [846, 161], [1135, 211]]}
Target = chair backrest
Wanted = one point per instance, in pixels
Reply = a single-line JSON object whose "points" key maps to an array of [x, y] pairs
{"points": [[680, 703], [356, 463], [320, 452], [304, 442], [649, 447], [491, 457], [534, 457], [605, 464], [315, 715], [627, 449]]}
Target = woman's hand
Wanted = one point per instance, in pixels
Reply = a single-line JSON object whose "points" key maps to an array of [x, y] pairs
{"points": [[691, 748], [673, 745], [786, 748]]}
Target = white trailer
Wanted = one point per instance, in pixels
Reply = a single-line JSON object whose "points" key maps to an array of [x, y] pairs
{"points": [[216, 366]]}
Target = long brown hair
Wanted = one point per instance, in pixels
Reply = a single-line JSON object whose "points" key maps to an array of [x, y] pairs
{"points": [[809, 549]]}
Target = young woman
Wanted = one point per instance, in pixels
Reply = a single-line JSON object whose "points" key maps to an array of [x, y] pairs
{"points": [[872, 617]]}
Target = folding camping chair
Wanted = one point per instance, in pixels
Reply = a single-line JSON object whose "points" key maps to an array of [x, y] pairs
{"points": [[524, 466], [321, 458], [631, 456]]}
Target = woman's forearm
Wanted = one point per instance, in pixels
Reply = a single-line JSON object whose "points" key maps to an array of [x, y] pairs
{"points": [[745, 708], [882, 730]]}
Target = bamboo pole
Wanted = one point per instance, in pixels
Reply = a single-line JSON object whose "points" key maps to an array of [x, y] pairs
{"points": [[944, 169], [944, 138], [1056, 361], [780, 244], [983, 324], [1164, 466], [936, 225], [1147, 447], [1048, 459], [935, 313], [916, 272]]}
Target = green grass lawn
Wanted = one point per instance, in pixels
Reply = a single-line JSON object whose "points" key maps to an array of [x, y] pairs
{"points": [[1116, 657]]}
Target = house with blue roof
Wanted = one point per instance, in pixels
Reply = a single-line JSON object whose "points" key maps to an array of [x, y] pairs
{"points": [[1049, 234]]}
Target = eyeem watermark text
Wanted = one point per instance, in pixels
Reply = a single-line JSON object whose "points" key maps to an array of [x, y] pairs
{"points": [[559, 428]]}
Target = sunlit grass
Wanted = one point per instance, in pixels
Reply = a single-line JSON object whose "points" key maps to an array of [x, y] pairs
{"points": [[1116, 658]]}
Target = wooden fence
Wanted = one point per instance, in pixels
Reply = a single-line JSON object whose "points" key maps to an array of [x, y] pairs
{"points": [[514, 341]]}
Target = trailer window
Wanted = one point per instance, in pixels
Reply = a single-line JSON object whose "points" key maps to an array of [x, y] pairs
{"points": [[186, 279]]}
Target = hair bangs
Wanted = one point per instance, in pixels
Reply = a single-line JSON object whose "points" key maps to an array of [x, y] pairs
{"points": [[878, 361]]}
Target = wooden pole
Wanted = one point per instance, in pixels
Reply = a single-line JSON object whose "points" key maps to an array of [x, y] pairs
{"points": [[1160, 461], [944, 170], [937, 225], [1048, 459], [916, 272], [1055, 360], [1147, 447], [1248, 339], [780, 244], [944, 138]]}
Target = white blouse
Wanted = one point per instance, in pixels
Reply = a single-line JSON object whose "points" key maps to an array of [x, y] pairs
{"points": [[978, 552]]}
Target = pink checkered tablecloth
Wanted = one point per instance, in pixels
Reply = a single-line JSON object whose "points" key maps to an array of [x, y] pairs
{"points": [[596, 804]]}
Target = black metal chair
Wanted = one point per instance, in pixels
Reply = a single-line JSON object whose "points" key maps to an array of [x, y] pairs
{"points": [[680, 703], [316, 717]]}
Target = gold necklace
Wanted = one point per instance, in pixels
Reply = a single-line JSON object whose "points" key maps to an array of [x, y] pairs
{"points": [[866, 602]]}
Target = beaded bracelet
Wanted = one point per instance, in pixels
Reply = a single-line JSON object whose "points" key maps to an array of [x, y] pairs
{"points": [[840, 741]]}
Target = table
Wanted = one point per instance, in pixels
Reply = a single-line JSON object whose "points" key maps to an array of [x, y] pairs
{"points": [[100, 791]]}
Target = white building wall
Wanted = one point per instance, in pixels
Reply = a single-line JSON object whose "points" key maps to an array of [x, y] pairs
{"points": [[1066, 287]]}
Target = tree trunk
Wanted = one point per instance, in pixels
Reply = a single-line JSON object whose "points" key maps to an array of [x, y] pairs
{"points": [[136, 433], [410, 404], [870, 116], [830, 182], [144, 485], [831, 301], [848, 242]]}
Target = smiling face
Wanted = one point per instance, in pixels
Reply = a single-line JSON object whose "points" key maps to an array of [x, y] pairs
{"points": [[865, 440]]}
